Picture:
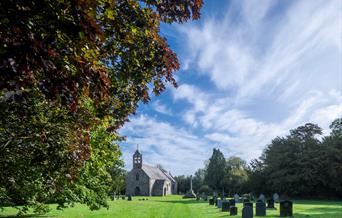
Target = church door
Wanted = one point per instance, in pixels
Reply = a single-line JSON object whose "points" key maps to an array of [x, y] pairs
{"points": [[137, 191]]}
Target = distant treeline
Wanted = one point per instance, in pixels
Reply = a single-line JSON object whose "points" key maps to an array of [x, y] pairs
{"points": [[302, 164]]}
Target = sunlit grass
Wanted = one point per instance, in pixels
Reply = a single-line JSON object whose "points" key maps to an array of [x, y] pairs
{"points": [[174, 206]]}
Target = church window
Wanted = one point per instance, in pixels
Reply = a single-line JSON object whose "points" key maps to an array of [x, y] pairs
{"points": [[137, 176]]}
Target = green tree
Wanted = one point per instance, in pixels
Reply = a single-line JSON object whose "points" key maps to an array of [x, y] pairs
{"points": [[331, 161], [216, 170], [198, 179], [69, 67], [300, 164], [235, 175], [183, 183]]}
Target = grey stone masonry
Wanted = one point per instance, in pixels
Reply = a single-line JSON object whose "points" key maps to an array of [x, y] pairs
{"points": [[145, 180]]}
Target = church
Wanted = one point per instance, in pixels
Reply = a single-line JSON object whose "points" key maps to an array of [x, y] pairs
{"points": [[147, 180]]}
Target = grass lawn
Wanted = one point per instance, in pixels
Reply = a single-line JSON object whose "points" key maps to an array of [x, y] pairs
{"points": [[175, 206]]}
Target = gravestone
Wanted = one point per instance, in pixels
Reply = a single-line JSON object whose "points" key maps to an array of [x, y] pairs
{"points": [[262, 197], [245, 200], [219, 203], [231, 202], [215, 194], [237, 198], [286, 208], [248, 204], [211, 201], [276, 197], [233, 211], [129, 198], [260, 209], [270, 204], [247, 212], [225, 206]]}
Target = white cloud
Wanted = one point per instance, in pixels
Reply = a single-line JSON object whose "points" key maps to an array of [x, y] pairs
{"points": [[161, 108], [246, 136], [259, 56], [268, 74], [178, 150]]}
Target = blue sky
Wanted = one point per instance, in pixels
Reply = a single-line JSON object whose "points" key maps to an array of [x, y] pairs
{"points": [[251, 70]]}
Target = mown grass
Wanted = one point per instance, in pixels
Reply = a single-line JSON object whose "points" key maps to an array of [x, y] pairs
{"points": [[176, 207]]}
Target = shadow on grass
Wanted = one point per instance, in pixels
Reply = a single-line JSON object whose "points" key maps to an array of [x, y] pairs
{"points": [[181, 201], [318, 215], [313, 202]]}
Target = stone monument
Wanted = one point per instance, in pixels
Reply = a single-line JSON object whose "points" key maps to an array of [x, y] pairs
{"points": [[286, 208], [190, 193]]}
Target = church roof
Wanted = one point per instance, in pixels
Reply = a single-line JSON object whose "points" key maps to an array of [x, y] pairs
{"points": [[156, 173], [168, 174]]}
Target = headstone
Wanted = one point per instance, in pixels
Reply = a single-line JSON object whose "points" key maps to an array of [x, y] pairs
{"points": [[231, 202], [286, 208], [236, 198], [262, 197], [233, 211], [276, 197], [225, 206], [270, 204], [215, 194], [247, 212], [211, 201], [219, 203], [245, 200], [129, 197], [248, 204], [260, 209]]}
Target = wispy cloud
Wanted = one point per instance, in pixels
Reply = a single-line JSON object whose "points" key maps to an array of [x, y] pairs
{"points": [[260, 55], [161, 108], [272, 66], [160, 142]]}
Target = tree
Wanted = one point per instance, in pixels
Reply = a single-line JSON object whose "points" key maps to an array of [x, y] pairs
{"points": [[336, 127], [257, 177], [198, 179], [299, 164], [216, 170], [331, 160], [183, 183], [67, 68], [235, 175]]}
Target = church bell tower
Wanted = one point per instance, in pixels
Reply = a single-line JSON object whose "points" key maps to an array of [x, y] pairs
{"points": [[137, 160]]}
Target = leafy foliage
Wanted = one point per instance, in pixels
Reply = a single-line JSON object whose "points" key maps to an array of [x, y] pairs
{"points": [[216, 170], [71, 73], [300, 164]]}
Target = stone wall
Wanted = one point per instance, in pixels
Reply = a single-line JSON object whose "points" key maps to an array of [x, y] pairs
{"points": [[142, 183]]}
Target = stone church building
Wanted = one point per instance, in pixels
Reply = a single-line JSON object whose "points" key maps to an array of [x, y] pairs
{"points": [[148, 180]]}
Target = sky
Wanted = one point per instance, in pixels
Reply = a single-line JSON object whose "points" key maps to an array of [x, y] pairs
{"points": [[251, 70]]}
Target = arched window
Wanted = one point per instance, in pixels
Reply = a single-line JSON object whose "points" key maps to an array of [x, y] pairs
{"points": [[137, 176]]}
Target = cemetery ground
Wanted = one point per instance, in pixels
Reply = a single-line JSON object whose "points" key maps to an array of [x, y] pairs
{"points": [[176, 207]]}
